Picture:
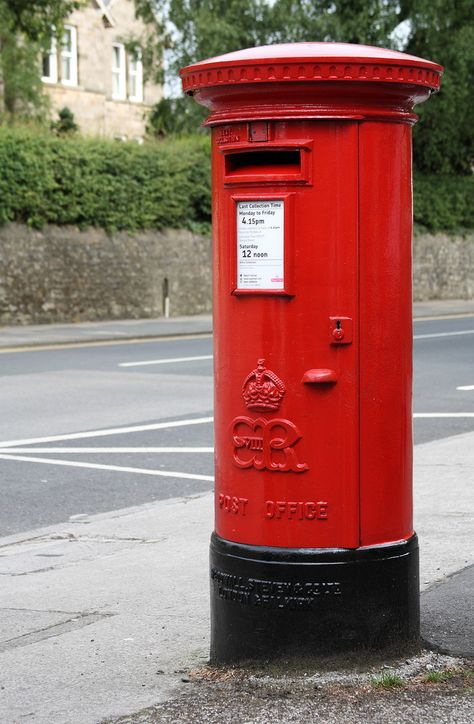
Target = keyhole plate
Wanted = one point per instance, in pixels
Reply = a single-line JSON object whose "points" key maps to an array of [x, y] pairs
{"points": [[338, 323]]}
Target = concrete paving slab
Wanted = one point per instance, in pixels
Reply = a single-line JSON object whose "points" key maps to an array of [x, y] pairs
{"points": [[142, 614], [444, 506], [443, 307]]}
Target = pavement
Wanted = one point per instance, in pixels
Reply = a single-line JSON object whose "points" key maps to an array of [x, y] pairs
{"points": [[105, 618], [39, 335], [132, 329]]}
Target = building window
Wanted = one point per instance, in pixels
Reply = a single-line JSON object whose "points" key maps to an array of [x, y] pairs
{"points": [[135, 77], [118, 71], [49, 64], [67, 61], [127, 74], [69, 56]]}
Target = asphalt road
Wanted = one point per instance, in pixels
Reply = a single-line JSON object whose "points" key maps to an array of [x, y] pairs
{"points": [[118, 421], [443, 359]]}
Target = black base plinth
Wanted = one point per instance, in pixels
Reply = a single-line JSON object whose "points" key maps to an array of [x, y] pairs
{"points": [[269, 603]]}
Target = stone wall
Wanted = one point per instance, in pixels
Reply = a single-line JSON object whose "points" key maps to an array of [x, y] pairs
{"points": [[443, 267], [62, 274]]}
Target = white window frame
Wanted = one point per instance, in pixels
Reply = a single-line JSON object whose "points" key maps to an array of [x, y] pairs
{"points": [[137, 74], [71, 55], [52, 54], [119, 72]]}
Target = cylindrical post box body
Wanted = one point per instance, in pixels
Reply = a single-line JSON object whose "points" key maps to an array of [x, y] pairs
{"points": [[314, 549]]}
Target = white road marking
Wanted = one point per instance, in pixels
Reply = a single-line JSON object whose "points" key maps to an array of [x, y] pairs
{"points": [[109, 450], [444, 334], [8, 444], [164, 361], [465, 387], [443, 414], [103, 433], [115, 468]]}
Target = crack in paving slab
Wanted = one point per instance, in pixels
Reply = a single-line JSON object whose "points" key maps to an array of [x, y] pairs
{"points": [[38, 610], [78, 621], [62, 550], [103, 538], [73, 537], [9, 544]]}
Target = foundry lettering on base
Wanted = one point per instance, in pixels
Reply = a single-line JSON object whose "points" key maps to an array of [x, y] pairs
{"points": [[291, 595], [266, 444]]}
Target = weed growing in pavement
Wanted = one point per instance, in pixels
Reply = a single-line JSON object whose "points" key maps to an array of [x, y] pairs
{"points": [[387, 680], [435, 677], [462, 675]]}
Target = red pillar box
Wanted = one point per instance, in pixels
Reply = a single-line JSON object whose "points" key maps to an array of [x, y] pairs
{"points": [[314, 548]]}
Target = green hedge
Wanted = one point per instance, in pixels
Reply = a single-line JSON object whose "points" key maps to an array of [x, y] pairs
{"points": [[113, 185], [50, 180], [444, 203]]}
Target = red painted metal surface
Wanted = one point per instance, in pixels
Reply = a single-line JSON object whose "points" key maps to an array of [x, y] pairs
{"points": [[312, 153], [385, 332]]}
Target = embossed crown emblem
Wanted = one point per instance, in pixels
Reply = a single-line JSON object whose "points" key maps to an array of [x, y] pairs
{"points": [[262, 389]]}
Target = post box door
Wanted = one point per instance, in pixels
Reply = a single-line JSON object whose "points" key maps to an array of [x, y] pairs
{"points": [[286, 361]]}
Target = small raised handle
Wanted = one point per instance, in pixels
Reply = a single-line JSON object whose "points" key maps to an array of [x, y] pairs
{"points": [[319, 377]]}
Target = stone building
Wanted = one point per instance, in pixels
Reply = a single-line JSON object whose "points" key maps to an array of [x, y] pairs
{"points": [[91, 71]]}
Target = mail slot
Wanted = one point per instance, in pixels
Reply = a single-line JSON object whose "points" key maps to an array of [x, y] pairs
{"points": [[262, 162], [314, 549], [269, 164]]}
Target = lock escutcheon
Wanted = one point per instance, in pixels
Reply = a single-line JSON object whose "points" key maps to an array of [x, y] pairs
{"points": [[340, 330]]}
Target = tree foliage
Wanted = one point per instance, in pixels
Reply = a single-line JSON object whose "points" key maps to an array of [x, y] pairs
{"points": [[210, 27], [433, 29], [204, 28], [444, 138], [190, 30], [180, 116], [36, 19], [152, 41], [368, 22], [25, 29]]}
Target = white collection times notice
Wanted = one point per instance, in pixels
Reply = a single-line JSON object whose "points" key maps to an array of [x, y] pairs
{"points": [[260, 244]]}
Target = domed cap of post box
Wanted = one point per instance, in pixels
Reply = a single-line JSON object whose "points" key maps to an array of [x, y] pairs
{"points": [[311, 80]]}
